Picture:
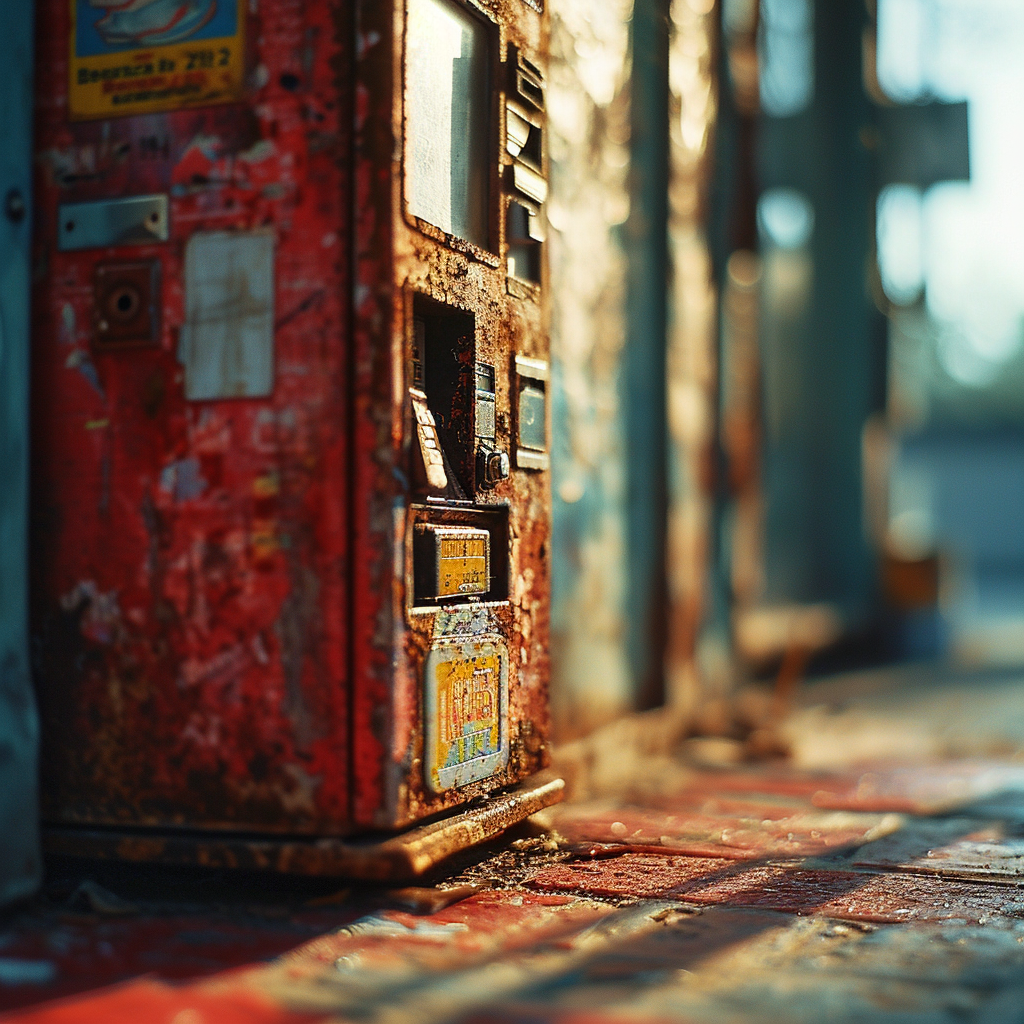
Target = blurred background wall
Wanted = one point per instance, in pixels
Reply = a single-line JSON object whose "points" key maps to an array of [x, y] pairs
{"points": [[789, 338], [632, 114]]}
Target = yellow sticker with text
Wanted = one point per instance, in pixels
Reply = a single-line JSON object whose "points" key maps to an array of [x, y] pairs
{"points": [[143, 56], [463, 563]]}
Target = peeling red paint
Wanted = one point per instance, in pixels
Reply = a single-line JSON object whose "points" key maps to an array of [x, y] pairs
{"points": [[222, 611], [191, 558]]}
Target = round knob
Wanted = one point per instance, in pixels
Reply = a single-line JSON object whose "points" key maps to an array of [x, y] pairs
{"points": [[15, 206]]}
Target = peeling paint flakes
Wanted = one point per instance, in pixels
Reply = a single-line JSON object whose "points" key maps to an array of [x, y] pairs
{"points": [[183, 480]]}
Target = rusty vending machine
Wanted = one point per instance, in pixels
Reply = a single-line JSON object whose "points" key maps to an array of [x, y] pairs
{"points": [[290, 505]]}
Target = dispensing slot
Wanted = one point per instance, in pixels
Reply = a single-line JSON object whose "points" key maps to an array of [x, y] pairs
{"points": [[444, 372]]}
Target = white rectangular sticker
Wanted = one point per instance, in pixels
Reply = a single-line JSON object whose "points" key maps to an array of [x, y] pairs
{"points": [[227, 340]]}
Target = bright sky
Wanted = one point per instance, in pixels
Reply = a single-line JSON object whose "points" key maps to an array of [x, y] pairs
{"points": [[966, 238]]}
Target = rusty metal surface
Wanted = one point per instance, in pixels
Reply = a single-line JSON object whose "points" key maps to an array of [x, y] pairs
{"points": [[225, 621], [396, 858], [402, 266], [189, 559]]}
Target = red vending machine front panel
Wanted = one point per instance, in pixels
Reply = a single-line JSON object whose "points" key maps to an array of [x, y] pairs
{"points": [[190, 413], [290, 410]]}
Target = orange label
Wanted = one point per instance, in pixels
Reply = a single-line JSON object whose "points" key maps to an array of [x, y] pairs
{"points": [[462, 565]]}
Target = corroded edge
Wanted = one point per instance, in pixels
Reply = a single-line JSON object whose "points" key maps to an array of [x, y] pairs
{"points": [[396, 857]]}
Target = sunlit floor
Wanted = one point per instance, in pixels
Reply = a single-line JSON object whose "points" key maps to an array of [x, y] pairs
{"points": [[876, 876]]}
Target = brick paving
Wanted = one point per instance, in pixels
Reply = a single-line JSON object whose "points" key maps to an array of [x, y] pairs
{"points": [[887, 892]]}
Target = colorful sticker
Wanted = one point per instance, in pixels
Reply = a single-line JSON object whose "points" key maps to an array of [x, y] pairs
{"points": [[467, 709], [140, 56]]}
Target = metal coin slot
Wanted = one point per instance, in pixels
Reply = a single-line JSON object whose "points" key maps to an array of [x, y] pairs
{"points": [[525, 183], [527, 83], [524, 233], [485, 424], [523, 138], [124, 303]]}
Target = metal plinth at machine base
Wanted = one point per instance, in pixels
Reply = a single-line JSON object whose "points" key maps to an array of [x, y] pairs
{"points": [[394, 858]]}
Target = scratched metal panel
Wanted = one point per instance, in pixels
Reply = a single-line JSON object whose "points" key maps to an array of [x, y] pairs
{"points": [[190, 558], [20, 865]]}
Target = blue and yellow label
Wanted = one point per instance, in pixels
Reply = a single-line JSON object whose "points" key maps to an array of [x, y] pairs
{"points": [[466, 711], [144, 56]]}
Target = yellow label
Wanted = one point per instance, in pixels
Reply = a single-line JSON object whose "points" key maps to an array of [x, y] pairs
{"points": [[153, 55], [468, 709], [462, 565]]}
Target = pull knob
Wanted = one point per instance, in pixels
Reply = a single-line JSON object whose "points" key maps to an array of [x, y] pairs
{"points": [[493, 466], [14, 206]]}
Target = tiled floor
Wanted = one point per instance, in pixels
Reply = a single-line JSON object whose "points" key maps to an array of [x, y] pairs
{"points": [[888, 891]]}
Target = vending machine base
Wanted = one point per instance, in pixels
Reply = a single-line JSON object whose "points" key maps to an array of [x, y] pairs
{"points": [[382, 858]]}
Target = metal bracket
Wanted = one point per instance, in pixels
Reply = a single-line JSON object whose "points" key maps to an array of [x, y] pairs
{"points": [[137, 220]]}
